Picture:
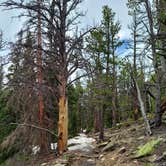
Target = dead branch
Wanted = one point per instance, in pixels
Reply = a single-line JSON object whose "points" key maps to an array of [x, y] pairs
{"points": [[34, 126]]}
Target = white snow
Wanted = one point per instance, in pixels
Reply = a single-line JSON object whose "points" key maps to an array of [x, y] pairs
{"points": [[80, 142], [35, 149], [53, 146]]}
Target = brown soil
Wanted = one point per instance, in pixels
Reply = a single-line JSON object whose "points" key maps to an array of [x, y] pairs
{"points": [[126, 138]]}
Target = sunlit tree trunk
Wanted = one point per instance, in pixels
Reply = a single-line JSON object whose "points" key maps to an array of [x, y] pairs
{"points": [[63, 116]]}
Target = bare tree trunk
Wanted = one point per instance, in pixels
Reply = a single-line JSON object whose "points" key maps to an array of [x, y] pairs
{"points": [[135, 103], [101, 134], [114, 110], [63, 117], [43, 137], [96, 121], [114, 94], [143, 109], [158, 115]]}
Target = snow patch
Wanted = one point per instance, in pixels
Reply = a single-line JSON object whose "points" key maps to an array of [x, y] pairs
{"points": [[53, 146], [35, 149], [80, 142]]}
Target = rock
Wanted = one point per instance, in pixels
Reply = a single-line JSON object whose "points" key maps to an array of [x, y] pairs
{"points": [[61, 162], [141, 138], [161, 158], [101, 156], [102, 144], [109, 147], [152, 158], [132, 129], [64, 161], [122, 150], [59, 165], [102, 159], [91, 161], [44, 164]]}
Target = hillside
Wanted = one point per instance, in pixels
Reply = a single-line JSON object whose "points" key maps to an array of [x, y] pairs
{"points": [[120, 148]]}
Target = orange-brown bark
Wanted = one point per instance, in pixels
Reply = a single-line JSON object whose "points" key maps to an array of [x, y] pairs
{"points": [[62, 125], [63, 117], [43, 143]]}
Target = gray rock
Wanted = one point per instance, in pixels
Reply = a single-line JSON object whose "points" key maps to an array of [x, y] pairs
{"points": [[109, 147], [91, 161], [122, 150], [161, 158]]}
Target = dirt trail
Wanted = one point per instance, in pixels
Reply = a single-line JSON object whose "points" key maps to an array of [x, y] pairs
{"points": [[118, 149], [123, 142]]}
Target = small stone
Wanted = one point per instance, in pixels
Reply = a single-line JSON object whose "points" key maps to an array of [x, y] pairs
{"points": [[59, 165], [102, 144], [152, 158], [90, 161], [109, 147], [122, 150], [132, 129], [43, 164], [64, 161], [103, 159], [101, 156], [141, 138], [112, 158], [161, 158]]}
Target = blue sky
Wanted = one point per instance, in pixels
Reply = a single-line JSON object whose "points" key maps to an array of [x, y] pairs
{"points": [[93, 9]]}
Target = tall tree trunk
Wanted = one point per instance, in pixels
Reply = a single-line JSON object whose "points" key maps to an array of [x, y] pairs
{"points": [[114, 94], [101, 125], [161, 8], [63, 116], [149, 132], [43, 136], [135, 102], [158, 115], [96, 121]]}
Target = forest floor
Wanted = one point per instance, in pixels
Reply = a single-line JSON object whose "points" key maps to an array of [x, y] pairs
{"points": [[124, 145], [121, 147]]}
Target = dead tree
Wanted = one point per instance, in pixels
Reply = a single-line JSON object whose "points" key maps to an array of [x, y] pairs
{"points": [[149, 132], [65, 57], [43, 139], [158, 115]]}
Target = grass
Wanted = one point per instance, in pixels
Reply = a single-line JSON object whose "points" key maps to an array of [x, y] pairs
{"points": [[147, 149]]}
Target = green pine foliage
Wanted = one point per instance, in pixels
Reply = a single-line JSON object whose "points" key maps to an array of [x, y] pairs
{"points": [[7, 115]]}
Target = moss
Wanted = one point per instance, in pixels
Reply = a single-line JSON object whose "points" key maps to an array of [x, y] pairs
{"points": [[147, 164], [147, 149]]}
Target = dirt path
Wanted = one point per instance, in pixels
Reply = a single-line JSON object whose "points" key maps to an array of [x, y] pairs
{"points": [[123, 142]]}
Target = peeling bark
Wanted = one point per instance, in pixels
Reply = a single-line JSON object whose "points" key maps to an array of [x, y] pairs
{"points": [[149, 132], [63, 118], [43, 136]]}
